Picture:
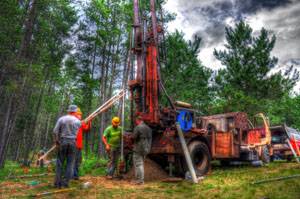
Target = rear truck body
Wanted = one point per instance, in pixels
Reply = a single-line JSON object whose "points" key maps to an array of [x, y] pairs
{"points": [[279, 142], [234, 138]]}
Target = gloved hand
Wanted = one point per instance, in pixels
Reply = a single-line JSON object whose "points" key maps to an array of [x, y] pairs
{"points": [[82, 122], [92, 117]]}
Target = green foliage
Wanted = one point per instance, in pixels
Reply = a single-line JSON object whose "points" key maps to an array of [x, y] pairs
{"points": [[92, 166], [183, 70], [287, 111], [245, 83]]}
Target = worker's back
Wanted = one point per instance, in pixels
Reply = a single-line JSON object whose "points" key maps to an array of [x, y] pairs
{"points": [[68, 126], [143, 134]]}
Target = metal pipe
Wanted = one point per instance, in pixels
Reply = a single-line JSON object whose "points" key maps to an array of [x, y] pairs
{"points": [[182, 104], [132, 57], [117, 96], [296, 145], [137, 33], [122, 140], [107, 104], [154, 26], [132, 37], [29, 176], [274, 179], [84, 186], [51, 149], [170, 169], [186, 153], [168, 97], [144, 68], [292, 149]]}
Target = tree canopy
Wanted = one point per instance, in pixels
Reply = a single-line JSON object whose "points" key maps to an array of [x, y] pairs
{"points": [[247, 81]]}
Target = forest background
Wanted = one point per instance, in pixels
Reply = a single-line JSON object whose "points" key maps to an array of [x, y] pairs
{"points": [[57, 53]]}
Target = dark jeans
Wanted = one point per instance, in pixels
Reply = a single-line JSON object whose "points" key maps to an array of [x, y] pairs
{"points": [[78, 158], [113, 154], [66, 150]]}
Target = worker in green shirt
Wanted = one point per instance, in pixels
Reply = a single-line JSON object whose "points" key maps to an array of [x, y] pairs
{"points": [[112, 139]]}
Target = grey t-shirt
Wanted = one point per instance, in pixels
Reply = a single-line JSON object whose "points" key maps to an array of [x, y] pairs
{"points": [[67, 126], [143, 140]]}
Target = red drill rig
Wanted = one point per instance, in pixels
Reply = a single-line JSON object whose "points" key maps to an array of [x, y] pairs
{"points": [[146, 89]]}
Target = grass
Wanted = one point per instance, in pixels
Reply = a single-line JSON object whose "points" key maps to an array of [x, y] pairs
{"points": [[225, 182]]}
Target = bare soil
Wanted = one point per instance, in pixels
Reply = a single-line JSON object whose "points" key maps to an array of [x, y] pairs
{"points": [[152, 172]]}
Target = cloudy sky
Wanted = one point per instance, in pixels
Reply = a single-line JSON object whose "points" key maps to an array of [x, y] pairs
{"points": [[208, 19]]}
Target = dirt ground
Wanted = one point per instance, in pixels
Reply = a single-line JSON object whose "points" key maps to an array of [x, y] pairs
{"points": [[228, 182]]}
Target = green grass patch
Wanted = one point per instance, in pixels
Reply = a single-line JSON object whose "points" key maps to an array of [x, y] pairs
{"points": [[225, 182]]}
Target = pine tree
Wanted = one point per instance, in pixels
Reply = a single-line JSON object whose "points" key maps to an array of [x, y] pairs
{"points": [[184, 77], [246, 82]]}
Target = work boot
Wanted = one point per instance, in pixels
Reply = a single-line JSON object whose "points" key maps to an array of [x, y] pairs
{"points": [[109, 177], [65, 186], [139, 182], [57, 187]]}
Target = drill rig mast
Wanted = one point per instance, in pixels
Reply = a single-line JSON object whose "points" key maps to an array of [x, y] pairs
{"points": [[145, 91], [145, 88]]}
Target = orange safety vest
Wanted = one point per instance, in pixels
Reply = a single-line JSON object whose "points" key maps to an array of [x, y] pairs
{"points": [[79, 135]]}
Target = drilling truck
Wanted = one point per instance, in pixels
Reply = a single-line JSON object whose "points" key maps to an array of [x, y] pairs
{"points": [[225, 137]]}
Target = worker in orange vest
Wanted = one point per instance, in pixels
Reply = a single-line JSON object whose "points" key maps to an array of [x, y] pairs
{"points": [[78, 154]]}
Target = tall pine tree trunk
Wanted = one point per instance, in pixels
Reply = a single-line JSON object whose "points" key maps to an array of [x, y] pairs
{"points": [[13, 103]]}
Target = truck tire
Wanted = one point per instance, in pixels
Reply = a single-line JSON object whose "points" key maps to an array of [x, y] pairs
{"points": [[265, 155], [200, 156]]}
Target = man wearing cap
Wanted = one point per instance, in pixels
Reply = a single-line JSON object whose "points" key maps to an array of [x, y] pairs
{"points": [[78, 154], [142, 136], [112, 139], [67, 127]]}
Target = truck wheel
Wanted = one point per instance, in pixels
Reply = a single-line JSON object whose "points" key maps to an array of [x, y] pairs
{"points": [[265, 155], [200, 156]]}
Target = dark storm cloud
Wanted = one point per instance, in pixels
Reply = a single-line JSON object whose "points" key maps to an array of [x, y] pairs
{"points": [[211, 20], [252, 6], [296, 62], [212, 16], [284, 22]]}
